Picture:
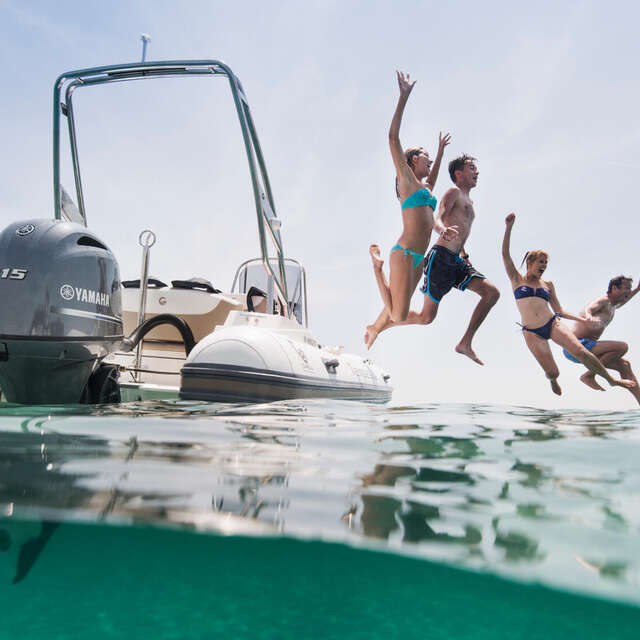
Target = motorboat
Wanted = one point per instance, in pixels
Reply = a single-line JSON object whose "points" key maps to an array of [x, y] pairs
{"points": [[72, 331]]}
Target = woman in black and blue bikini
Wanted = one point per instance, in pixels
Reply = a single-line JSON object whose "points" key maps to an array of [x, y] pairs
{"points": [[540, 310], [416, 176]]}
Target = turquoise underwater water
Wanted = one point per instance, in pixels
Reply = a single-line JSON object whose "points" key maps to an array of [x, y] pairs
{"points": [[318, 519]]}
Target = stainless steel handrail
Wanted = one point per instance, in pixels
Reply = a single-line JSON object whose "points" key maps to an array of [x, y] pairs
{"points": [[291, 261], [146, 239]]}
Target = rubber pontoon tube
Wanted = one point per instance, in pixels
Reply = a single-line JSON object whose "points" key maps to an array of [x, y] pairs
{"points": [[130, 343]]}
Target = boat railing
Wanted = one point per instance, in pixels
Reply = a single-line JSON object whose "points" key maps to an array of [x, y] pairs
{"points": [[250, 273]]}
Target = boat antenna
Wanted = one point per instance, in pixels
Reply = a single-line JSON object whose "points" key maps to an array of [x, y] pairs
{"points": [[146, 38]]}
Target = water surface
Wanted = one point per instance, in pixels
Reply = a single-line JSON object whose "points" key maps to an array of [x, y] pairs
{"points": [[312, 519]]}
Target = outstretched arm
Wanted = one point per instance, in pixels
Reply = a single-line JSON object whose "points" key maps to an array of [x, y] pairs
{"points": [[443, 141], [402, 168], [512, 272], [557, 307]]}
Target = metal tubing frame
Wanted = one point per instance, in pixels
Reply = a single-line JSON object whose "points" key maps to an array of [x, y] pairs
{"points": [[73, 143], [71, 80], [292, 261], [142, 309]]}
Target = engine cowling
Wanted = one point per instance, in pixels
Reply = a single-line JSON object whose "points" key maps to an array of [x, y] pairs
{"points": [[60, 310]]}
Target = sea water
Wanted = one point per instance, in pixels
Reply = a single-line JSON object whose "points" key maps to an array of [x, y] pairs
{"points": [[318, 519]]}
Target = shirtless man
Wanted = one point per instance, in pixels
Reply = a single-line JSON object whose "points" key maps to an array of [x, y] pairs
{"points": [[447, 263], [597, 317]]}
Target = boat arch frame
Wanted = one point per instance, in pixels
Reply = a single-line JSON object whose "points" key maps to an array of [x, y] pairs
{"points": [[67, 83]]}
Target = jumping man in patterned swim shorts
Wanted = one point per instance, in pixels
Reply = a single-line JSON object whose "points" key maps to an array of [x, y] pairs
{"points": [[447, 263]]}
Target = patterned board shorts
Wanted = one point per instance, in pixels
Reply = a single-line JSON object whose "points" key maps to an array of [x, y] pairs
{"points": [[444, 270]]}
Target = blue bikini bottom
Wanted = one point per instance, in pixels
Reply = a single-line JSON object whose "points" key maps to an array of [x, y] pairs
{"points": [[545, 330], [417, 257]]}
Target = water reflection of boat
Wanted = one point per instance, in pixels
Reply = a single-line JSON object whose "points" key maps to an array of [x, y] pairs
{"points": [[48, 477], [68, 329]]}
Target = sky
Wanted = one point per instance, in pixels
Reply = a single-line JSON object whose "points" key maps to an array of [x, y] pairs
{"points": [[544, 95]]}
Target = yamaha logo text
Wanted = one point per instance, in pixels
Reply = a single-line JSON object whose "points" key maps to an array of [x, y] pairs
{"points": [[84, 295]]}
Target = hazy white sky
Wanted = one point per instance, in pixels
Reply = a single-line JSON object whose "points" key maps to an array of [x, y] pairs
{"points": [[545, 96]]}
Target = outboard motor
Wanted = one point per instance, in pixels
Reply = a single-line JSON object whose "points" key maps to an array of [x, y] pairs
{"points": [[60, 310]]}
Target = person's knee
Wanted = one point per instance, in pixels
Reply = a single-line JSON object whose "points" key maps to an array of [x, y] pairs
{"points": [[623, 348], [491, 294], [586, 357], [426, 317]]}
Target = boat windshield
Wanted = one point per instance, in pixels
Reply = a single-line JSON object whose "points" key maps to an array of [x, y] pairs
{"points": [[251, 274]]}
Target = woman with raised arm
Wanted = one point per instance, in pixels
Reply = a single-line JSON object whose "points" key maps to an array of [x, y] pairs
{"points": [[416, 177], [540, 309]]}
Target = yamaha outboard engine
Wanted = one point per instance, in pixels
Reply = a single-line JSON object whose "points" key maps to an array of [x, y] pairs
{"points": [[60, 310]]}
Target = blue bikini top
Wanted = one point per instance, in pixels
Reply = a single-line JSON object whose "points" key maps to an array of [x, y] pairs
{"points": [[420, 198], [528, 292]]}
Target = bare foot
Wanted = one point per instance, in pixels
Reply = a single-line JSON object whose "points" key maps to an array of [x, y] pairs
{"points": [[374, 252], [590, 380], [370, 335], [466, 350], [555, 387], [627, 384]]}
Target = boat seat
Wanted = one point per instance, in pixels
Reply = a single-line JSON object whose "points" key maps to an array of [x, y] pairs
{"points": [[152, 283], [200, 305], [256, 300], [195, 283]]}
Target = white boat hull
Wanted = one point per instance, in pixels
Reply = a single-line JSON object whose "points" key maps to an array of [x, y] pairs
{"points": [[257, 358]]}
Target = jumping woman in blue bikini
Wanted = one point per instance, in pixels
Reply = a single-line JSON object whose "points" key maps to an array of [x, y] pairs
{"points": [[418, 206], [540, 309]]}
